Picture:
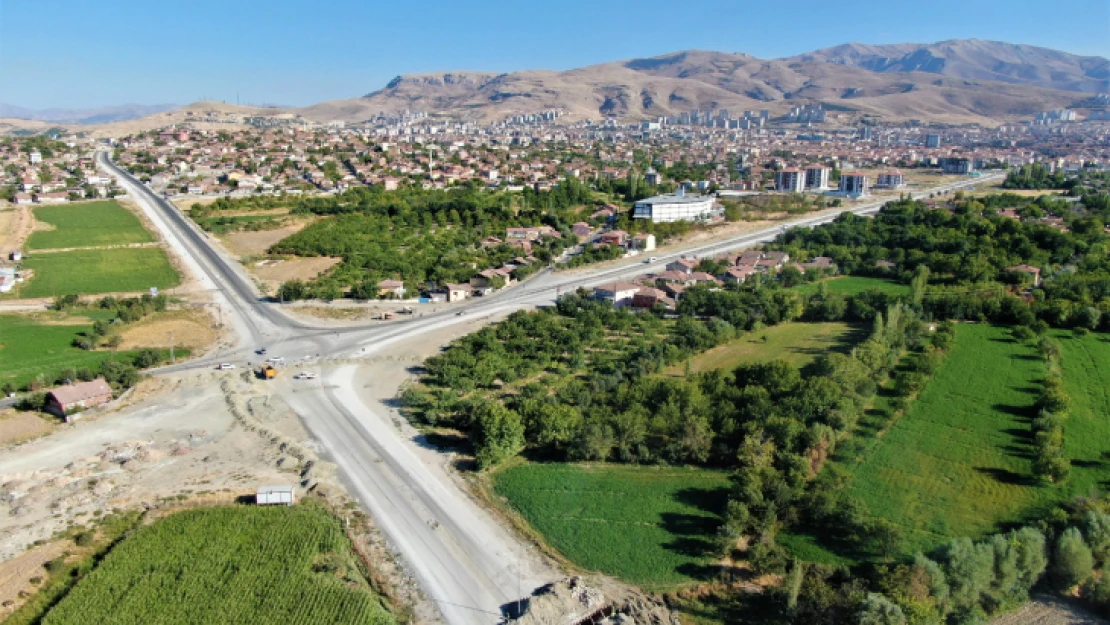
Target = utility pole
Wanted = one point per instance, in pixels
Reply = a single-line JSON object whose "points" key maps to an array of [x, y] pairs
{"points": [[172, 361]]}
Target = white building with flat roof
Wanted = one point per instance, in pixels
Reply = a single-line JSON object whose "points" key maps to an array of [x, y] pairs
{"points": [[673, 207]]}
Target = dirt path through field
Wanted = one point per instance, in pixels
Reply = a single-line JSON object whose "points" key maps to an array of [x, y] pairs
{"points": [[15, 226]]}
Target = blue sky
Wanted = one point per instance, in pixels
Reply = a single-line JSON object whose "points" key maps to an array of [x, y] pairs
{"points": [[78, 53]]}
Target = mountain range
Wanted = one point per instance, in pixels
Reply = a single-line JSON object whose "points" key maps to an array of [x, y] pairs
{"points": [[955, 81], [101, 115]]}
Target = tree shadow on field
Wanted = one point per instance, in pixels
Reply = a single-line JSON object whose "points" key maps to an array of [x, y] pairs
{"points": [[1023, 412], [1005, 476], [711, 500], [692, 533]]}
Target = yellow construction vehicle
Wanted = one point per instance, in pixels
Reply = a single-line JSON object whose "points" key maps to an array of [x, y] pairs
{"points": [[267, 371]]}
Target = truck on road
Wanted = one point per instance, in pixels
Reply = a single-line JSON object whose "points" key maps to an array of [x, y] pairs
{"points": [[267, 371]]}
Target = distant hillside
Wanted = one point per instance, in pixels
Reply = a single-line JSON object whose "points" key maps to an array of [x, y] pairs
{"points": [[957, 82], [953, 82], [102, 115], [975, 59]]}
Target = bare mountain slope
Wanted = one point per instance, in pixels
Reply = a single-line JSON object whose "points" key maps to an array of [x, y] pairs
{"points": [[697, 79], [976, 60]]}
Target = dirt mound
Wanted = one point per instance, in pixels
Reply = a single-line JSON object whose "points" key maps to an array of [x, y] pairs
{"points": [[575, 600]]}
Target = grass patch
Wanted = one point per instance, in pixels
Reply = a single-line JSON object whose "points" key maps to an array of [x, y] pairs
{"points": [[854, 285], [89, 224], [1086, 364], [809, 549], [958, 462], [228, 565], [797, 343], [234, 223], [88, 272], [30, 347], [647, 525]]}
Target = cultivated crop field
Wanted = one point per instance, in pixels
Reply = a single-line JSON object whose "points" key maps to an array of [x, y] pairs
{"points": [[228, 565], [88, 272], [854, 285], [1086, 365], [958, 462], [797, 343], [650, 526], [90, 224], [30, 347], [44, 344]]}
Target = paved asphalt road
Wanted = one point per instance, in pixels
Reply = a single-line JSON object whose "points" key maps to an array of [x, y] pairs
{"points": [[464, 560]]}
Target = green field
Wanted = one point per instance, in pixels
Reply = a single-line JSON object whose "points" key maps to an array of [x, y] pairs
{"points": [[650, 526], [88, 272], [958, 462], [797, 343], [228, 565], [29, 347], [89, 224], [1086, 365], [852, 285]]}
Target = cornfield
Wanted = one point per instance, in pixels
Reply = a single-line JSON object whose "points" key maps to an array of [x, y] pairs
{"points": [[228, 565]]}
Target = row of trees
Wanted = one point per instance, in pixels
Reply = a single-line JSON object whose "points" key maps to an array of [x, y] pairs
{"points": [[1049, 461], [774, 486], [960, 582], [1036, 176]]}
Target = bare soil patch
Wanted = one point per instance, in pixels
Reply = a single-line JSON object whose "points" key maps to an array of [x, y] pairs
{"points": [[16, 223], [16, 427], [1049, 611], [274, 272], [180, 442], [16, 574], [191, 328], [254, 243]]}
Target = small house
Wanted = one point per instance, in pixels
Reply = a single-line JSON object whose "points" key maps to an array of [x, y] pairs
{"points": [[1027, 270], [76, 397], [618, 293], [396, 288], [457, 292]]}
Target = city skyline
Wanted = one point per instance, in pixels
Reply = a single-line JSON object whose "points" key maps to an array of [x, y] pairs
{"points": [[251, 53]]}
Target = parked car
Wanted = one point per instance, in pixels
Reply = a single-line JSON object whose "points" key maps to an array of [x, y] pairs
{"points": [[305, 375], [225, 366]]}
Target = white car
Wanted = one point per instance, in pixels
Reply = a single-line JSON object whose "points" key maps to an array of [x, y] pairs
{"points": [[653, 259], [225, 366], [275, 359], [305, 375]]}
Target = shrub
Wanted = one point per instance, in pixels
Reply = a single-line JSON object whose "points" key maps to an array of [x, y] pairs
{"points": [[1072, 560]]}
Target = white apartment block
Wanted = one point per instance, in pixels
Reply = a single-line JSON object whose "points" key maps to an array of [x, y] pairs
{"points": [[853, 185], [790, 180], [817, 177], [890, 180]]}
